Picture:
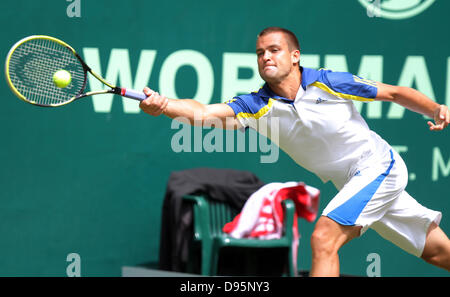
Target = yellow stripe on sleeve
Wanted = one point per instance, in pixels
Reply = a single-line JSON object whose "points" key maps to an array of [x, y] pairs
{"points": [[325, 88], [260, 112], [230, 101], [365, 81]]}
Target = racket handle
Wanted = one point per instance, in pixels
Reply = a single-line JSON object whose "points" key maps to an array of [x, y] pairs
{"points": [[133, 94]]}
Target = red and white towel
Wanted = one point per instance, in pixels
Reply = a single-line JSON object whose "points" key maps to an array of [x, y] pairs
{"points": [[262, 215]]}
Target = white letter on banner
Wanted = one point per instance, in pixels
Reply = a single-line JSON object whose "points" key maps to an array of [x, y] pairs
{"points": [[232, 85], [118, 70], [200, 63], [310, 61], [414, 71], [439, 163], [336, 63]]}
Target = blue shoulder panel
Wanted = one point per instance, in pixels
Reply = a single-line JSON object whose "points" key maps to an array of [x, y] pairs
{"points": [[249, 103], [341, 84]]}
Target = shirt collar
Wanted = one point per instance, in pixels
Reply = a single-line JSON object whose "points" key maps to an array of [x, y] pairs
{"points": [[266, 92]]}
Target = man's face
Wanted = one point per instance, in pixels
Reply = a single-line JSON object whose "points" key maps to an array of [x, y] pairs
{"points": [[275, 60]]}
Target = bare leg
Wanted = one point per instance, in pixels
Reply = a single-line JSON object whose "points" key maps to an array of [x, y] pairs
{"points": [[328, 237], [437, 248]]}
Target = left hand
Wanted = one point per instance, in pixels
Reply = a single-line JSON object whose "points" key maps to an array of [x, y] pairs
{"points": [[441, 118]]}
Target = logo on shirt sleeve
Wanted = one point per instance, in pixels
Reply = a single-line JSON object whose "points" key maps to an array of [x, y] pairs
{"points": [[364, 81]]}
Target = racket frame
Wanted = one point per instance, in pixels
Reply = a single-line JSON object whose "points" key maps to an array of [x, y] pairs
{"points": [[113, 89]]}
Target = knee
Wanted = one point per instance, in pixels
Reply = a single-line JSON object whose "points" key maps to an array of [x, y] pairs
{"points": [[439, 260], [439, 257], [329, 236], [322, 243], [437, 248]]}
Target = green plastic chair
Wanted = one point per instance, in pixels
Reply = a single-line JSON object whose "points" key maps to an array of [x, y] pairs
{"points": [[209, 218]]}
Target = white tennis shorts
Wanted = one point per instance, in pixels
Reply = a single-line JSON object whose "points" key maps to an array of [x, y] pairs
{"points": [[375, 198]]}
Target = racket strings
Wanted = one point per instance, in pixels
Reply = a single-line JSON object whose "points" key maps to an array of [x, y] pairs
{"points": [[32, 66]]}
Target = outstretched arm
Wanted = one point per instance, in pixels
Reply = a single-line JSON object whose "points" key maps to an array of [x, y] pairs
{"points": [[415, 101], [189, 111]]}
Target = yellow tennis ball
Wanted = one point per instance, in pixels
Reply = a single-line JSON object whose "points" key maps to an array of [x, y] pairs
{"points": [[62, 78]]}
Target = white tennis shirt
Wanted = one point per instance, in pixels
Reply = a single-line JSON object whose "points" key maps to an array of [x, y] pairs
{"points": [[320, 130]]}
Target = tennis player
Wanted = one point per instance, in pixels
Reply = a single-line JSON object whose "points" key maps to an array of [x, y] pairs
{"points": [[320, 129]]}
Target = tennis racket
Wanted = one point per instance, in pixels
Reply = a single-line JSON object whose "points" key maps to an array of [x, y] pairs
{"points": [[32, 62]]}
